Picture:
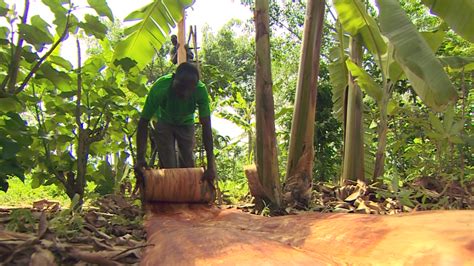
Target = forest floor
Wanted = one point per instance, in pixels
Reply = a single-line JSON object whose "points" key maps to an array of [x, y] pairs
{"points": [[110, 230]]}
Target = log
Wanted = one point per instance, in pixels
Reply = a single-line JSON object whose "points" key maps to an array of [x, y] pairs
{"points": [[185, 234], [255, 187], [182, 185]]}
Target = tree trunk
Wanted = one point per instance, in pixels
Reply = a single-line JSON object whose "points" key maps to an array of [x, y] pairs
{"points": [[301, 153], [353, 165], [382, 135], [266, 154], [82, 149]]}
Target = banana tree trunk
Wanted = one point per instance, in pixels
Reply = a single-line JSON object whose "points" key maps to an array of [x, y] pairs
{"points": [[299, 178], [353, 165], [382, 135], [266, 153]]}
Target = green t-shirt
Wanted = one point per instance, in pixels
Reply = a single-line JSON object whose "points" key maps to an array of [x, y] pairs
{"points": [[169, 108]]}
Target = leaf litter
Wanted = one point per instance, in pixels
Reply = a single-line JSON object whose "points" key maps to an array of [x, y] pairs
{"points": [[110, 233]]}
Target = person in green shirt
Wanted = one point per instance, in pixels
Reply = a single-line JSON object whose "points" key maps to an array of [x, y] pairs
{"points": [[173, 99]]}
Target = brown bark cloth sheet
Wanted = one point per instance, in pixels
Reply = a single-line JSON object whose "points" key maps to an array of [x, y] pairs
{"points": [[197, 234]]}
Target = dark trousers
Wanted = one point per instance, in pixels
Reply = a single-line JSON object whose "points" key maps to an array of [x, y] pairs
{"points": [[175, 145]]}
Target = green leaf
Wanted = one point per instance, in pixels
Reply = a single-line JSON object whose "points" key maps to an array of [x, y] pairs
{"points": [[60, 13], [126, 63], [457, 127], [8, 149], [11, 168], [355, 20], [59, 61], [448, 118], [35, 36], [365, 81], [392, 107], [3, 10], [139, 89], [10, 105], [434, 39], [456, 139], [415, 57], [436, 123], [60, 79], [458, 15], [147, 36], [101, 7], [4, 33], [338, 74], [38, 22], [37, 179], [93, 26], [457, 62]]}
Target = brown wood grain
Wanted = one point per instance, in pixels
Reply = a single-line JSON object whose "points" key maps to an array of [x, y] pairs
{"points": [[177, 185]]}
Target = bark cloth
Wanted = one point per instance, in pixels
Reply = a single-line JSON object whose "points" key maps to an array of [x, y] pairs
{"points": [[198, 234]]}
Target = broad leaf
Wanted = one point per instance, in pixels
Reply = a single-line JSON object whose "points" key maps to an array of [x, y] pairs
{"points": [[60, 13], [458, 14], [392, 69], [147, 36], [60, 79], [35, 36], [93, 26], [59, 61], [434, 39], [338, 75], [458, 62], [355, 20], [3, 8], [101, 7], [364, 81], [10, 105], [38, 22], [415, 57]]}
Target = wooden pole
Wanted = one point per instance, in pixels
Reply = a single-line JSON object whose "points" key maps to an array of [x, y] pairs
{"points": [[182, 38]]}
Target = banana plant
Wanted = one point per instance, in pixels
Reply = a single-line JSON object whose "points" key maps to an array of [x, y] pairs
{"points": [[458, 14], [400, 51], [266, 148], [299, 179], [152, 25]]}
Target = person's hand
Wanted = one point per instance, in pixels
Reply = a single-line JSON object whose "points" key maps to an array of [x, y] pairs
{"points": [[209, 175], [140, 165]]}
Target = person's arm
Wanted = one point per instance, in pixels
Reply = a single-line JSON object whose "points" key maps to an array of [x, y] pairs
{"points": [[151, 105], [210, 172], [142, 136]]}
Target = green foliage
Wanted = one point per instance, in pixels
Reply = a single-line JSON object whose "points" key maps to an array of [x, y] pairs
{"points": [[21, 220], [354, 19], [67, 223], [233, 190], [328, 134], [414, 55], [458, 15], [22, 194], [154, 21]]}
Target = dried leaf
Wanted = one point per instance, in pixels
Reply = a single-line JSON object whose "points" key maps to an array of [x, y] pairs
{"points": [[42, 257], [353, 196]]}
